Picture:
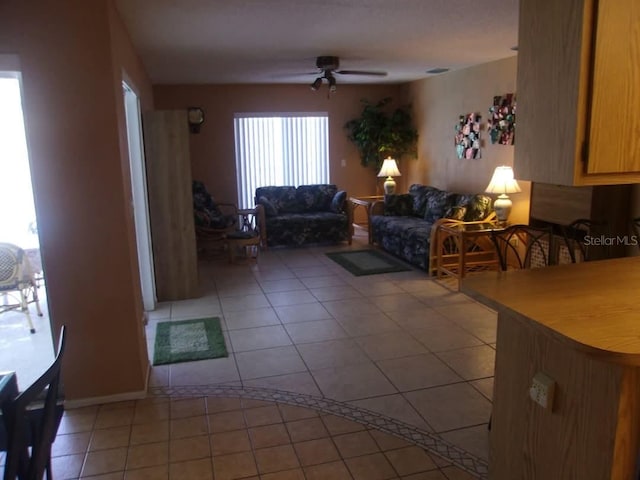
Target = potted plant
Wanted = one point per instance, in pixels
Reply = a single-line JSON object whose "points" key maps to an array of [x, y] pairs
{"points": [[379, 133]]}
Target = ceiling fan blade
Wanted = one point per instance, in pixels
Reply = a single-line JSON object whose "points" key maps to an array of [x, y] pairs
{"points": [[360, 72]]}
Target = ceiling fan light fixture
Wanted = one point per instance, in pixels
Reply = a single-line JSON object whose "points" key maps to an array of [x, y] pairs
{"points": [[316, 84], [332, 83]]}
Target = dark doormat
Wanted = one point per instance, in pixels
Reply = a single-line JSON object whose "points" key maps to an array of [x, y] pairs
{"points": [[367, 262]]}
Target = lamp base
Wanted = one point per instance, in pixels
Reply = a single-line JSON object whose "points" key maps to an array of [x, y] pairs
{"points": [[502, 207], [389, 186]]}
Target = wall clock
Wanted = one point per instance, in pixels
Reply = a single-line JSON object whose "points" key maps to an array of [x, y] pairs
{"points": [[195, 115]]}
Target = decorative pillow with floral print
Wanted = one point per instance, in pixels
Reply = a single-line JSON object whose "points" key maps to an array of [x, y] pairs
{"points": [[478, 208], [337, 202], [456, 212], [438, 202]]}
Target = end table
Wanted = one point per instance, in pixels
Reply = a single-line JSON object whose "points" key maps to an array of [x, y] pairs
{"points": [[465, 247]]}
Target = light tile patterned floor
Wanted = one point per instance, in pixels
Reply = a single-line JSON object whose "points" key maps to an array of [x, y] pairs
{"points": [[397, 354], [218, 438], [397, 344]]}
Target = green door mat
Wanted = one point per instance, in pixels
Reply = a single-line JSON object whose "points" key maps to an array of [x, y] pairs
{"points": [[188, 340]]}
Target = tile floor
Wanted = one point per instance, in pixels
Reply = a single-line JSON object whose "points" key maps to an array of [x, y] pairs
{"points": [[208, 438], [395, 350]]}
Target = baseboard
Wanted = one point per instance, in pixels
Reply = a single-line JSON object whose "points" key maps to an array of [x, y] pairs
{"points": [[120, 397]]}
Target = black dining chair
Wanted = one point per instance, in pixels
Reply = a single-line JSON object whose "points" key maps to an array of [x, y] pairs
{"points": [[31, 422], [576, 239], [524, 246]]}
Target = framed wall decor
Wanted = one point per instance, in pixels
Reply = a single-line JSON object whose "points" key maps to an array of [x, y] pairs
{"points": [[502, 119], [467, 138]]}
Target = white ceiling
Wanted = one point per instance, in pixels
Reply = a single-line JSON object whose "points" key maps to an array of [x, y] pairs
{"points": [[277, 41]]}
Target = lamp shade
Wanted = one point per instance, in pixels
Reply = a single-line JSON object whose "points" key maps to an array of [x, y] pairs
{"points": [[502, 181], [389, 168]]}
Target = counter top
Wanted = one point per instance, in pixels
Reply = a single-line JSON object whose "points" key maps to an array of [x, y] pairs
{"points": [[594, 306]]}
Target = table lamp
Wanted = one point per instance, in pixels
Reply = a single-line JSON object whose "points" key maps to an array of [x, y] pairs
{"points": [[389, 169], [503, 183]]}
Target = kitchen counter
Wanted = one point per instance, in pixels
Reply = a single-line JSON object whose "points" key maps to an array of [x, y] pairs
{"points": [[579, 326], [594, 306]]}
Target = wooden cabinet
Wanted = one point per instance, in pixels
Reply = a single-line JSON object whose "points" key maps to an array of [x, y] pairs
{"points": [[578, 92], [577, 324], [166, 138]]}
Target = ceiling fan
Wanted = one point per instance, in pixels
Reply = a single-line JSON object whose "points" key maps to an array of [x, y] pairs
{"points": [[328, 66]]}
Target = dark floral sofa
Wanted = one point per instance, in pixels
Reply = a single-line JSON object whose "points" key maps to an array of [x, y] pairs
{"points": [[306, 214], [403, 224]]}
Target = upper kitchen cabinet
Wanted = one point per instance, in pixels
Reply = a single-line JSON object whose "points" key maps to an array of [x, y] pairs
{"points": [[578, 92]]}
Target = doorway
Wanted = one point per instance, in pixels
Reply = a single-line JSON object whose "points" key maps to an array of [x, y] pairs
{"points": [[139, 195], [29, 354]]}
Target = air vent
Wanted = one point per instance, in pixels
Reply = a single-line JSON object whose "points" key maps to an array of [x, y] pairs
{"points": [[438, 70]]}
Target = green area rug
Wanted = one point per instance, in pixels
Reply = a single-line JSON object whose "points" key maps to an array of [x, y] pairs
{"points": [[367, 262], [188, 340]]}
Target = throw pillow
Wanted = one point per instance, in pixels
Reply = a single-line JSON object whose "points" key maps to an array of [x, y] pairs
{"points": [[337, 202], [478, 208], [398, 205], [270, 209], [438, 202], [455, 213]]}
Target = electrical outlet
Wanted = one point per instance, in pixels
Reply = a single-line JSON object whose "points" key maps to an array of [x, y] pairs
{"points": [[542, 390]]}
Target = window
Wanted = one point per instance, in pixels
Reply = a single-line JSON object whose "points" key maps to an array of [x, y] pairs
{"points": [[280, 150]]}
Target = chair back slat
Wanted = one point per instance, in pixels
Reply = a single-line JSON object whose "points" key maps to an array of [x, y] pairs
{"points": [[11, 257], [575, 237], [32, 420], [524, 246], [635, 226]]}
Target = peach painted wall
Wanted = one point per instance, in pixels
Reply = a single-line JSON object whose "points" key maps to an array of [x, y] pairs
{"points": [[212, 150], [437, 103], [72, 100]]}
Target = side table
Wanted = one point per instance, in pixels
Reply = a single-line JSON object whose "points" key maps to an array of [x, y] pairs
{"points": [[465, 247], [365, 202], [248, 239]]}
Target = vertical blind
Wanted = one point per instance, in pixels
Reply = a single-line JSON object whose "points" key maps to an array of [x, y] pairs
{"points": [[280, 150]]}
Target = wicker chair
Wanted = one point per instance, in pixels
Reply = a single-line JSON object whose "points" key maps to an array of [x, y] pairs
{"points": [[213, 221], [17, 283]]}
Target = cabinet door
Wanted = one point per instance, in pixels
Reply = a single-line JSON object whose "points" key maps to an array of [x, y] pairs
{"points": [[548, 88], [614, 137]]}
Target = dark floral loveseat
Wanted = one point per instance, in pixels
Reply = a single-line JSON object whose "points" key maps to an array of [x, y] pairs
{"points": [[306, 214], [403, 224]]}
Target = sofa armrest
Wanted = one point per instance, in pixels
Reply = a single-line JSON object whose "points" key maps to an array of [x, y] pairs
{"points": [[261, 225], [377, 208], [348, 209]]}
